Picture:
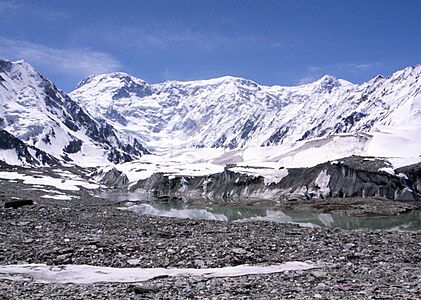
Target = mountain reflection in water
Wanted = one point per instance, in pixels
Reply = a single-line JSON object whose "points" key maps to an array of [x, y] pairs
{"points": [[224, 211]]}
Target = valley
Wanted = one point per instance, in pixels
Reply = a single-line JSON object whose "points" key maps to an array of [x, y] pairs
{"points": [[220, 187]]}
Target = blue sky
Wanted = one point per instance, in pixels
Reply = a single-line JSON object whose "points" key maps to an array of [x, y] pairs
{"points": [[270, 42]]}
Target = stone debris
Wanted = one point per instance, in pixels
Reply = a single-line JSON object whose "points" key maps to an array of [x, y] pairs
{"points": [[363, 264]]}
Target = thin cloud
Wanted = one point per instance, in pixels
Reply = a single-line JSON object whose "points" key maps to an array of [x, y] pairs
{"points": [[170, 37], [350, 67], [74, 62], [26, 8], [307, 79], [315, 72], [313, 68]]}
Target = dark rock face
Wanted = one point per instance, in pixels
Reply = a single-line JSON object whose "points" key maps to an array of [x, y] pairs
{"points": [[347, 123], [232, 144], [248, 128], [5, 65], [131, 87], [227, 184], [412, 178], [73, 146], [114, 115], [220, 141], [277, 137], [112, 178], [349, 177]]}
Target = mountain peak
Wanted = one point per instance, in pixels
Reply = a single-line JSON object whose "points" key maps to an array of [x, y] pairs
{"points": [[22, 65], [37, 113], [118, 85], [115, 78], [328, 77], [326, 83]]}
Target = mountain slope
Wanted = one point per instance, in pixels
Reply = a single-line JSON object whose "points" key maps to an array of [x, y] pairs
{"points": [[40, 115], [15, 152], [233, 112]]}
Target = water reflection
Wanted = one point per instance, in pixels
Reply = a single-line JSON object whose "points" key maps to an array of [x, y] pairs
{"points": [[224, 211], [195, 214]]}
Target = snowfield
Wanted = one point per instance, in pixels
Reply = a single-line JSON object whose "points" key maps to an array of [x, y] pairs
{"points": [[67, 182]]}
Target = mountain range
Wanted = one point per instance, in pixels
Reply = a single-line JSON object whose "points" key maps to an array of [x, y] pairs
{"points": [[233, 112], [116, 118]]}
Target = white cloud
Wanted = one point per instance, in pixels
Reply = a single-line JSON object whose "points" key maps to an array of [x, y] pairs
{"points": [[307, 79], [75, 62]]}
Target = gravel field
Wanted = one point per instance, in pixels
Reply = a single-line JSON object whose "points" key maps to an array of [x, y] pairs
{"points": [[359, 264]]}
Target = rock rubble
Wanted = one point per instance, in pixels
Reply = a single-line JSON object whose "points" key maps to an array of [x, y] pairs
{"points": [[362, 264]]}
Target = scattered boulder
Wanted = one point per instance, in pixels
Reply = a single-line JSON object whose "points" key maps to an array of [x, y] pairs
{"points": [[17, 203], [141, 289]]}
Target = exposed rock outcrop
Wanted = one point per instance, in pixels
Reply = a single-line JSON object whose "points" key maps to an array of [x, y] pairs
{"points": [[349, 177], [411, 175], [112, 178]]}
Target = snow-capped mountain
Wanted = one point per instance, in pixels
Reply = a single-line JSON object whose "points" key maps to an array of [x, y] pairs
{"points": [[46, 120], [233, 112]]}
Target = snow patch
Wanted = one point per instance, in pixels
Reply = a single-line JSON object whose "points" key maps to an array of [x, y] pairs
{"points": [[86, 274], [58, 197], [387, 170], [322, 181], [72, 184], [11, 157], [270, 175]]}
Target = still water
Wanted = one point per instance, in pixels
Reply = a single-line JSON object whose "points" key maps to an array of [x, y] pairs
{"points": [[224, 211]]}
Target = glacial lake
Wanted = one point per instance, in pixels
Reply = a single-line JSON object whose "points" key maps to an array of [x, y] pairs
{"points": [[224, 211]]}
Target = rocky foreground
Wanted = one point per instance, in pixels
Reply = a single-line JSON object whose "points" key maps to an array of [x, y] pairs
{"points": [[358, 264]]}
